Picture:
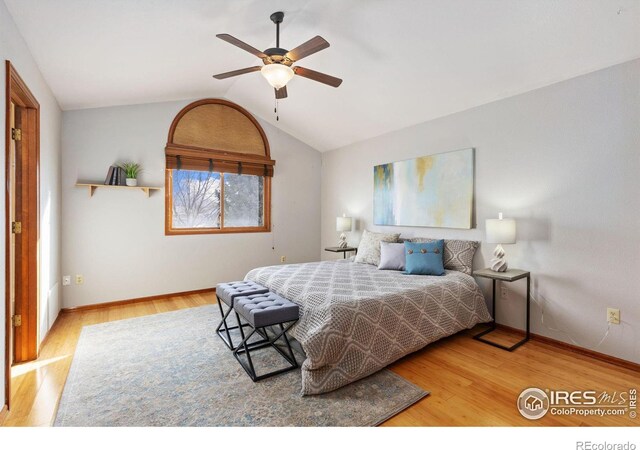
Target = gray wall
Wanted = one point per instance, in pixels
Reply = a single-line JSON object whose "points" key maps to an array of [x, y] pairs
{"points": [[564, 161], [116, 238], [13, 48]]}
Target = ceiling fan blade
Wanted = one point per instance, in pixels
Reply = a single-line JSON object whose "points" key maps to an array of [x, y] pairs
{"points": [[243, 45], [281, 93], [317, 76], [235, 73], [310, 47]]}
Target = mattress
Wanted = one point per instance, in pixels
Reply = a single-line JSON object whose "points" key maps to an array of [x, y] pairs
{"points": [[356, 319]]}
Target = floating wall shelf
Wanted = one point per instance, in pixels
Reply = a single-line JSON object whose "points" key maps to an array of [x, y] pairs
{"points": [[92, 187]]}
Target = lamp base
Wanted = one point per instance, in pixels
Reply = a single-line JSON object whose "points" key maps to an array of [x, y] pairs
{"points": [[342, 242], [499, 262]]}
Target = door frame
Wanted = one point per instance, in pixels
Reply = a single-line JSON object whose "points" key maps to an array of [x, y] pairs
{"points": [[18, 92]]}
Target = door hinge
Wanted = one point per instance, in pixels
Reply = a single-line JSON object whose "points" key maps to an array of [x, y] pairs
{"points": [[16, 227], [17, 320], [16, 134]]}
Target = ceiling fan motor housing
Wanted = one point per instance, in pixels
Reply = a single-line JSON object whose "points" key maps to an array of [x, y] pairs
{"points": [[277, 55]]}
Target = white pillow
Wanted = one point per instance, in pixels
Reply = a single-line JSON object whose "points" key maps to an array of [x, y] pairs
{"points": [[369, 248], [392, 256]]}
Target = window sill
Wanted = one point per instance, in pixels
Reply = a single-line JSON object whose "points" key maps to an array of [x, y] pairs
{"points": [[190, 231]]}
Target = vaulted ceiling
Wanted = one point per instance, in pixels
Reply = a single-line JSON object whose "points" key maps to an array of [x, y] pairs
{"points": [[403, 62]]}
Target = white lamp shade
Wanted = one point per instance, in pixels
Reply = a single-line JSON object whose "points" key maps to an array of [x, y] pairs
{"points": [[501, 231], [343, 223], [278, 75]]}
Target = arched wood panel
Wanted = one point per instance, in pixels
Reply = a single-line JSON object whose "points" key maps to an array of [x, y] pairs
{"points": [[218, 125]]}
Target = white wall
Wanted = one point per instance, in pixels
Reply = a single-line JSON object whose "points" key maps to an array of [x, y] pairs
{"points": [[116, 239], [564, 161], [13, 48]]}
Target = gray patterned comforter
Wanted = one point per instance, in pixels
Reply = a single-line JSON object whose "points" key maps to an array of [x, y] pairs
{"points": [[356, 319]]}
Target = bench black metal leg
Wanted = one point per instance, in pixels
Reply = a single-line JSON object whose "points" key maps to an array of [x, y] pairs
{"points": [[222, 323], [241, 330], [223, 329], [252, 370], [286, 339], [244, 347], [291, 359]]}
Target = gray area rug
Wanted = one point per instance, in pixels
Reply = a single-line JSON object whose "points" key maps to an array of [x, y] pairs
{"points": [[172, 369]]}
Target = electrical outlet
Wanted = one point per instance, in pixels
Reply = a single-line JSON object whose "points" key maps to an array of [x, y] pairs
{"points": [[613, 316], [66, 280], [504, 292], [79, 279], [283, 259]]}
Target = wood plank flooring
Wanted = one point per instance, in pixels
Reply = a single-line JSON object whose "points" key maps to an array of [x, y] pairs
{"points": [[471, 383]]}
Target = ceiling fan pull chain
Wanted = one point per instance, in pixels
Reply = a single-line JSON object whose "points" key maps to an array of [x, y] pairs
{"points": [[275, 110]]}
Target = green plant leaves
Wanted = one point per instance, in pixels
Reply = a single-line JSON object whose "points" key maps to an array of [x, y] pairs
{"points": [[131, 169]]}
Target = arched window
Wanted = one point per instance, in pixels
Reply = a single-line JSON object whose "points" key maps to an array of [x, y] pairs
{"points": [[218, 171]]}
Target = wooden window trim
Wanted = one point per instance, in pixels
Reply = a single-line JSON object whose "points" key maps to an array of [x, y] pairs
{"points": [[168, 214], [254, 164]]}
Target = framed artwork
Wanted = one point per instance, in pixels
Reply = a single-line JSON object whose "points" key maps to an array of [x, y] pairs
{"points": [[430, 191]]}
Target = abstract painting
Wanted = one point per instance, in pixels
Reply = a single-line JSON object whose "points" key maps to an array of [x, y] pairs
{"points": [[430, 191]]}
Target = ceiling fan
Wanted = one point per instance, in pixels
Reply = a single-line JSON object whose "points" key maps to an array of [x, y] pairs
{"points": [[278, 61]]}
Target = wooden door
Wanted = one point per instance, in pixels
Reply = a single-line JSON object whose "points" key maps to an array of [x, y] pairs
{"points": [[23, 237], [22, 224], [12, 219]]}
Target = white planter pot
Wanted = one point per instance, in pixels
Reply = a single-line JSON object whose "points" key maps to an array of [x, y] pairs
{"points": [[132, 181]]}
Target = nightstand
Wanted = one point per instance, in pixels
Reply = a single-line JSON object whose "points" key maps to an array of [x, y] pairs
{"points": [[341, 250], [508, 276]]}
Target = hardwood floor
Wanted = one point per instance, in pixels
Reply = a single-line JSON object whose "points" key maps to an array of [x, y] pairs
{"points": [[471, 383], [475, 384]]}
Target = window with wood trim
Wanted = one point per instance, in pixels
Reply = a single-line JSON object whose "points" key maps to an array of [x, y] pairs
{"points": [[218, 171]]}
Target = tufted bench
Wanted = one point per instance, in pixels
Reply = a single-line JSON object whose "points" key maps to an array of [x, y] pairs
{"points": [[227, 293], [262, 311]]}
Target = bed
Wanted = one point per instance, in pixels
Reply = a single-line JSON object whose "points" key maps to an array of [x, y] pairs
{"points": [[356, 319]]}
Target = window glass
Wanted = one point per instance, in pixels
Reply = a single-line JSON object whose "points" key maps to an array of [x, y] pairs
{"points": [[195, 199], [243, 200]]}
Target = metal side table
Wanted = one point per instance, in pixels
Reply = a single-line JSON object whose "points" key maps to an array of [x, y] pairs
{"points": [[342, 250], [508, 276]]}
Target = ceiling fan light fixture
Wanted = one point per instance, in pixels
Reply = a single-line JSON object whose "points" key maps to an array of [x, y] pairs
{"points": [[278, 75], [277, 61]]}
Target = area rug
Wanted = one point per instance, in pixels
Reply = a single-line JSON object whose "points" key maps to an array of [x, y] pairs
{"points": [[172, 369]]}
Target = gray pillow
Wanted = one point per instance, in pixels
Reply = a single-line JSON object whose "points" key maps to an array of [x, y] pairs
{"points": [[458, 254], [369, 248], [392, 256]]}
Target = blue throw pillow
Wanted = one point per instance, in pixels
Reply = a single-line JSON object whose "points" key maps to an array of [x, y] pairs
{"points": [[424, 258]]}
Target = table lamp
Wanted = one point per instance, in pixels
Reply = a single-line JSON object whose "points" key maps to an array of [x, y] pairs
{"points": [[343, 224], [500, 231]]}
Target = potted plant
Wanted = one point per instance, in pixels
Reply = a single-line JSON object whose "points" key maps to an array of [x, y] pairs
{"points": [[132, 170]]}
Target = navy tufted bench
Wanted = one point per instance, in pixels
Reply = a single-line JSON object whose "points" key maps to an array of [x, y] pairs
{"points": [[262, 311], [227, 293]]}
